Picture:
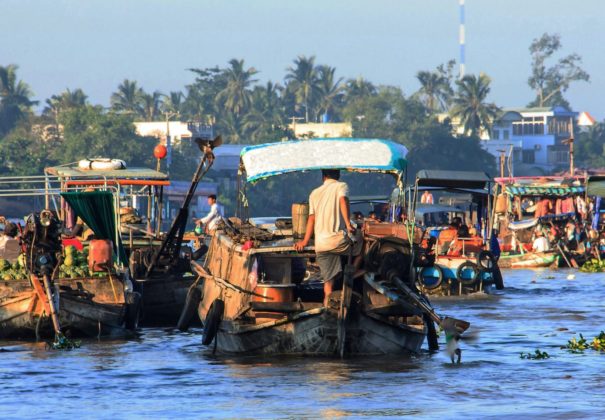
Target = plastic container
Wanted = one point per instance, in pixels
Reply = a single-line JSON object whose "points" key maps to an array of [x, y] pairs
{"points": [[300, 215], [100, 254]]}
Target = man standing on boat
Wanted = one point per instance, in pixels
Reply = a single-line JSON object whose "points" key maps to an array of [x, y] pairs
{"points": [[214, 215], [329, 216]]}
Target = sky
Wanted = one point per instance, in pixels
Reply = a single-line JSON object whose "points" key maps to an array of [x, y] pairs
{"points": [[95, 44]]}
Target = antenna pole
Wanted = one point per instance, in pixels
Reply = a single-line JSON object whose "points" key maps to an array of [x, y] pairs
{"points": [[462, 41]]}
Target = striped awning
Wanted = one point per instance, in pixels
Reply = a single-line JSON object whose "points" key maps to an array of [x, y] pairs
{"points": [[560, 190]]}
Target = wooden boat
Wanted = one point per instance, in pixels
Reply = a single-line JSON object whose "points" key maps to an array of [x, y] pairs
{"points": [[91, 307], [460, 265], [158, 266], [252, 292], [517, 219], [529, 260]]}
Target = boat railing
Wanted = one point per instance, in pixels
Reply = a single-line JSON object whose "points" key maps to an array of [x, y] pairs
{"points": [[469, 244]]}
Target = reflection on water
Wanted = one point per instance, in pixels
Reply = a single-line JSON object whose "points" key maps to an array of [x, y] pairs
{"points": [[165, 373]]}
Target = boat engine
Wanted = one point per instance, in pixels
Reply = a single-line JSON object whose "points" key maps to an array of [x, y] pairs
{"points": [[390, 256], [42, 240]]}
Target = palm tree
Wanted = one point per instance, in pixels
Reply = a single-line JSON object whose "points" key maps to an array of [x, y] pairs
{"points": [[65, 100], [329, 91], [236, 96], [359, 88], [15, 99], [302, 79], [231, 127], [435, 90], [266, 115], [470, 106], [127, 98], [151, 104], [173, 103]]}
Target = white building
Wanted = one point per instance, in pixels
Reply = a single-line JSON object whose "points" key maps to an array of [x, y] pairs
{"points": [[535, 137], [321, 130], [177, 130]]}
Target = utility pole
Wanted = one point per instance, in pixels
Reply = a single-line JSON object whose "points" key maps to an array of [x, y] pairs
{"points": [[569, 141], [502, 161]]}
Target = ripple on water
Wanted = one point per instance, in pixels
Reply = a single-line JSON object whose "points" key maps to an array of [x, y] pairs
{"points": [[164, 373]]}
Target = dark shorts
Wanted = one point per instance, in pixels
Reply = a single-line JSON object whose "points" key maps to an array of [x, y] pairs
{"points": [[330, 265]]}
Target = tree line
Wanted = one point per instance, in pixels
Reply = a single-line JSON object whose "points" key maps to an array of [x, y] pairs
{"points": [[243, 110]]}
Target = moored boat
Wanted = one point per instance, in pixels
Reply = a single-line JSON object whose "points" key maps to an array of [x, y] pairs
{"points": [[257, 295], [455, 214], [39, 301]]}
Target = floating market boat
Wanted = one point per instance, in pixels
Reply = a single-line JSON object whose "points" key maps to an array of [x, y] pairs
{"points": [[257, 295], [462, 262], [158, 263], [545, 203], [57, 290], [139, 221]]}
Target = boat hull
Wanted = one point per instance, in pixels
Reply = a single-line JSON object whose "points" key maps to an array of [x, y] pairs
{"points": [[80, 314], [163, 298], [314, 333], [528, 260]]}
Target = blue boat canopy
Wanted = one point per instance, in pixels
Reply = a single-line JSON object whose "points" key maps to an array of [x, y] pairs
{"points": [[349, 154]]}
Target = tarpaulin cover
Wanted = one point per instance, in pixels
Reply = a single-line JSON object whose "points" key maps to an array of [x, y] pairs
{"points": [[350, 154], [96, 209], [452, 179]]}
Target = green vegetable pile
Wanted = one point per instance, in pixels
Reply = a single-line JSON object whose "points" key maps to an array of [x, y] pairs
{"points": [[14, 271], [537, 355], [75, 264], [593, 266]]}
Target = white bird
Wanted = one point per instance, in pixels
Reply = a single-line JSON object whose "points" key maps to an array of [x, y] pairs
{"points": [[452, 337]]}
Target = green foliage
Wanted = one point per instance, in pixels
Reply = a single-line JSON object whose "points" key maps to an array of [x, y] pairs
{"points": [[590, 146], [243, 111], [578, 346], [598, 343], [15, 102], [593, 266], [88, 132], [128, 98], [536, 355], [22, 152], [551, 82], [470, 105], [436, 87], [431, 145], [303, 83]]}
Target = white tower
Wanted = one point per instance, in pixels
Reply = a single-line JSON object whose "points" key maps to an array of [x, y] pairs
{"points": [[461, 39]]}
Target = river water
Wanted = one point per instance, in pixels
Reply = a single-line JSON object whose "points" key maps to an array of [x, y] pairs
{"points": [[168, 374]]}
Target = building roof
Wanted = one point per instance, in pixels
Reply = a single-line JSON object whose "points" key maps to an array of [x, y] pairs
{"points": [[585, 119], [554, 110]]}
